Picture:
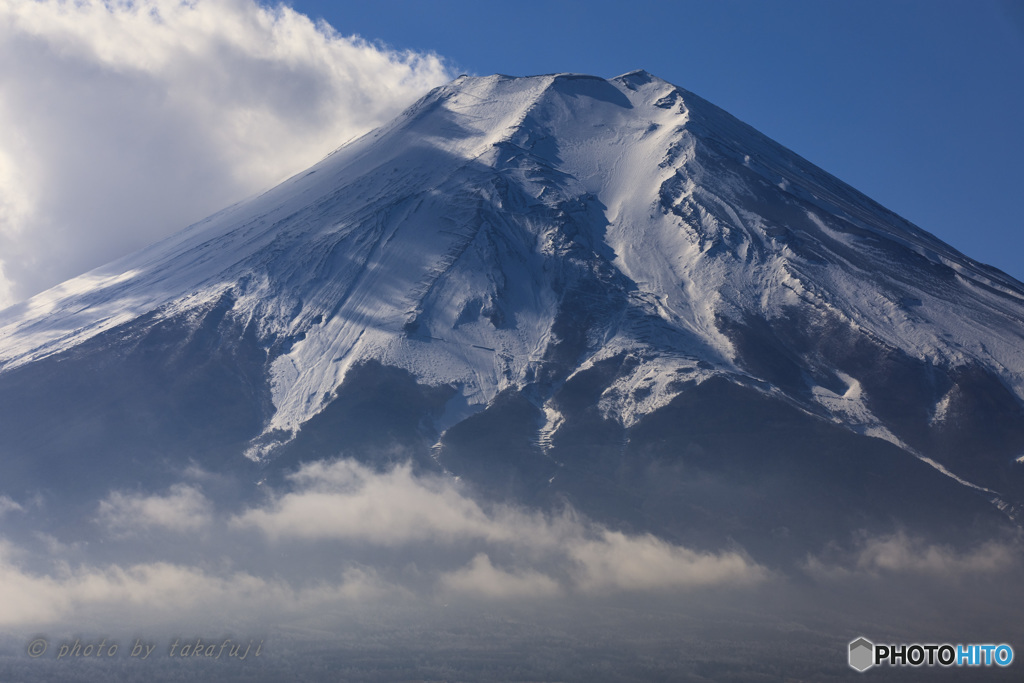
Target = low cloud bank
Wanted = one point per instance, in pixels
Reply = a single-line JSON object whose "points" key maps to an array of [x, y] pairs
{"points": [[340, 534], [899, 554], [343, 565], [345, 500], [339, 537], [163, 592]]}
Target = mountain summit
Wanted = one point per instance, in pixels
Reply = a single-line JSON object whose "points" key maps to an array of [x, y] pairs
{"points": [[563, 289]]}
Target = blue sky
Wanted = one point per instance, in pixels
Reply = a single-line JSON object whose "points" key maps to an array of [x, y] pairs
{"points": [[918, 104]]}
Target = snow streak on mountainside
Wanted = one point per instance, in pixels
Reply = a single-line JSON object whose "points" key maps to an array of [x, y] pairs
{"points": [[507, 234]]}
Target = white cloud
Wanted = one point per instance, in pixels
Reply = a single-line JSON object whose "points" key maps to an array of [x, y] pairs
{"points": [[121, 122], [341, 534], [898, 553], [27, 598], [184, 508], [345, 500], [481, 578], [615, 561], [163, 592], [7, 504]]}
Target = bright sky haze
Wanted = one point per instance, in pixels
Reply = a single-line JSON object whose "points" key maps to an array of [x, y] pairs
{"points": [[121, 123]]}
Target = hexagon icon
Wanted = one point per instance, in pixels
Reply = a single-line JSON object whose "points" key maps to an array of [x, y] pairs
{"points": [[862, 654]]}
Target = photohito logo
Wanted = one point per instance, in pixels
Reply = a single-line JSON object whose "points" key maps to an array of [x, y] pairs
{"points": [[864, 654]]}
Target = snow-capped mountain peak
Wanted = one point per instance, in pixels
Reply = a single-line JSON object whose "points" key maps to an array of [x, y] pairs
{"points": [[512, 234]]}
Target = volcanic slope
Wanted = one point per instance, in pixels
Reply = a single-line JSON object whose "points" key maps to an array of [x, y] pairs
{"points": [[563, 289]]}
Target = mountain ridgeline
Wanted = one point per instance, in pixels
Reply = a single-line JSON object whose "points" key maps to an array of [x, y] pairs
{"points": [[565, 290]]}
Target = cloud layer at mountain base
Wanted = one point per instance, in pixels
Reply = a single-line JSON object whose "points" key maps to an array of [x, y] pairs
{"points": [[345, 562], [126, 121], [348, 534]]}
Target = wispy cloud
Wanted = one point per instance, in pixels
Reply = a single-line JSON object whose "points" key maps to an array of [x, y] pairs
{"points": [[121, 122], [184, 508], [160, 592], [899, 554], [615, 561], [8, 504], [481, 578], [337, 533], [345, 500]]}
